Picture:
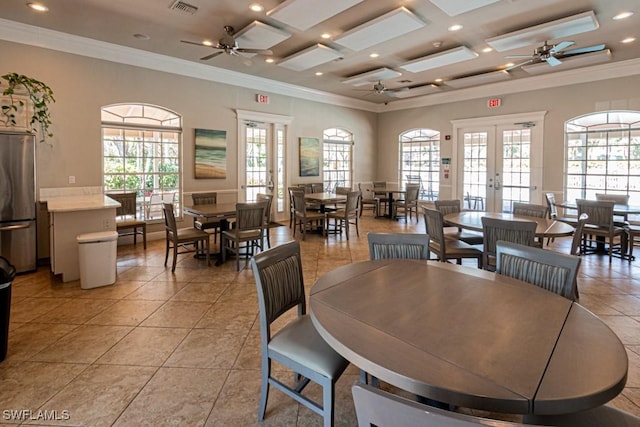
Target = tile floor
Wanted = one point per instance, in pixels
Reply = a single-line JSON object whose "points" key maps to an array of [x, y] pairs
{"points": [[182, 349]]}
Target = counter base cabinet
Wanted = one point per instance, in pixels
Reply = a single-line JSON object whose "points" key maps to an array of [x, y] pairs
{"points": [[65, 227]]}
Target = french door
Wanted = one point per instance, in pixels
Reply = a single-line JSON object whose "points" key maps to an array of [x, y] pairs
{"points": [[499, 161], [262, 159]]}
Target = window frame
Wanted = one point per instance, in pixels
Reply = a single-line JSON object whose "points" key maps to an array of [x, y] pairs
{"points": [[425, 138], [337, 141]]}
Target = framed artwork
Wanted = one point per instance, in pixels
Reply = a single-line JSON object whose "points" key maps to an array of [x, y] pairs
{"points": [[210, 154], [309, 156]]}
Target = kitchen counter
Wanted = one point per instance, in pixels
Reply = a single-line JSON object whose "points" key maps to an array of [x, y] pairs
{"points": [[81, 203]]}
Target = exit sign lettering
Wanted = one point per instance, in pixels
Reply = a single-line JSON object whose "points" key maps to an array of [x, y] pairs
{"points": [[262, 99], [494, 102]]}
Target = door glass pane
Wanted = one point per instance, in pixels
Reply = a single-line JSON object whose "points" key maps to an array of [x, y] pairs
{"points": [[256, 168], [516, 167], [280, 190], [475, 168]]}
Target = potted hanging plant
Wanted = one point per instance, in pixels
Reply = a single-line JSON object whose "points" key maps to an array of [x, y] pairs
{"points": [[40, 96]]}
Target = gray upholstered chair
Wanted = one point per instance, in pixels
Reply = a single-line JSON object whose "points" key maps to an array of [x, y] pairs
{"points": [[368, 198], [346, 215], [382, 196], [453, 206], [297, 345], [127, 223], [494, 229], [247, 233], [209, 198], [381, 408], [600, 225], [530, 209], [304, 217], [398, 246], [268, 223], [182, 238], [444, 248], [410, 202], [546, 269]]}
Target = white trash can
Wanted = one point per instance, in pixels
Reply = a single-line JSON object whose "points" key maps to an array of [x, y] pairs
{"points": [[97, 258]]}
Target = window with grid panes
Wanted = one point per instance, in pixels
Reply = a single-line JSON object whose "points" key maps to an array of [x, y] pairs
{"points": [[603, 155], [420, 160], [337, 151], [141, 152]]}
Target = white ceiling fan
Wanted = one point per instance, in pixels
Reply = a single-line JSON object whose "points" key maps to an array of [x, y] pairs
{"points": [[228, 44], [553, 53], [379, 88]]}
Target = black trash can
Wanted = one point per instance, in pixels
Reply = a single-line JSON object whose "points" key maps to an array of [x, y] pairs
{"points": [[7, 273]]}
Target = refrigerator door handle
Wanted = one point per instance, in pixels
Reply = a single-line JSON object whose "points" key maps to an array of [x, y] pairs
{"points": [[15, 227]]}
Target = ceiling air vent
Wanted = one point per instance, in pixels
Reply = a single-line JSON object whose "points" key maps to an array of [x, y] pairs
{"points": [[183, 7]]}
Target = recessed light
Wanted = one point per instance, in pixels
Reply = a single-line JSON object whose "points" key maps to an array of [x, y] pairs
{"points": [[207, 42], [38, 7], [326, 36], [256, 7], [622, 15], [455, 27], [438, 80], [509, 64], [628, 40], [319, 73], [269, 60], [374, 55], [140, 36], [487, 50]]}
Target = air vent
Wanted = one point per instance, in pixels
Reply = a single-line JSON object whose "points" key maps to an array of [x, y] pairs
{"points": [[183, 7]]}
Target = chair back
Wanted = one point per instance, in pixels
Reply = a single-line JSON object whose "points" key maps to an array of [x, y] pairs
{"points": [[619, 199], [413, 190], [279, 282], [250, 216], [435, 230], [577, 234], [317, 187], [170, 225], [398, 246], [600, 212], [448, 206], [352, 203], [299, 204], [375, 406], [546, 269], [366, 191], [551, 205], [494, 229], [379, 184], [342, 190], [127, 202], [530, 209], [268, 198], [210, 198]]}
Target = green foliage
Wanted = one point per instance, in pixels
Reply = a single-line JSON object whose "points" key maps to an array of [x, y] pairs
{"points": [[40, 95]]}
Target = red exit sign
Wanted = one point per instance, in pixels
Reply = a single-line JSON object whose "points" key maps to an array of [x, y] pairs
{"points": [[494, 102], [262, 99]]}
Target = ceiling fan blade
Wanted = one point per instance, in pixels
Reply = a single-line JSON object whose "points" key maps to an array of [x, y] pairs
{"points": [[553, 61], [584, 50], [195, 43], [561, 46], [213, 55], [258, 51]]}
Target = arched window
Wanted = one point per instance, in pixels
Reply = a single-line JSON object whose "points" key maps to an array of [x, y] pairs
{"points": [[420, 160], [337, 152], [603, 155], [141, 152]]}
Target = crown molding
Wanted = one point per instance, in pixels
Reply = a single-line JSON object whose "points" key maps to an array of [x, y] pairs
{"points": [[55, 40]]}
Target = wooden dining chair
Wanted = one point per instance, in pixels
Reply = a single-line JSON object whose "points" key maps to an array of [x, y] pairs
{"points": [[247, 233], [181, 239], [304, 217], [368, 198], [382, 197], [376, 407], [409, 204], [453, 206], [618, 199], [494, 229], [268, 223], [600, 226], [209, 198], [444, 248], [398, 246], [127, 222], [297, 345], [546, 269], [347, 215], [530, 209]]}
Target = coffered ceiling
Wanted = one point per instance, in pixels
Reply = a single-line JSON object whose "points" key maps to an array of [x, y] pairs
{"points": [[408, 46]]}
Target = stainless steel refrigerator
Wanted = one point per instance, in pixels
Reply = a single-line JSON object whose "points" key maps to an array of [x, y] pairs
{"points": [[18, 200]]}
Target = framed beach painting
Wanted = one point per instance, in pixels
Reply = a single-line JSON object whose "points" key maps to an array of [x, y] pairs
{"points": [[309, 156], [210, 154]]}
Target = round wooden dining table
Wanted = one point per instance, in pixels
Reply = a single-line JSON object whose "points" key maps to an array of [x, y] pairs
{"points": [[468, 337], [545, 227]]}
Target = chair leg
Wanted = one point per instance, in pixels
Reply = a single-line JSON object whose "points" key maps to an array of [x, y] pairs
{"points": [[264, 389], [328, 396], [166, 253], [175, 258]]}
